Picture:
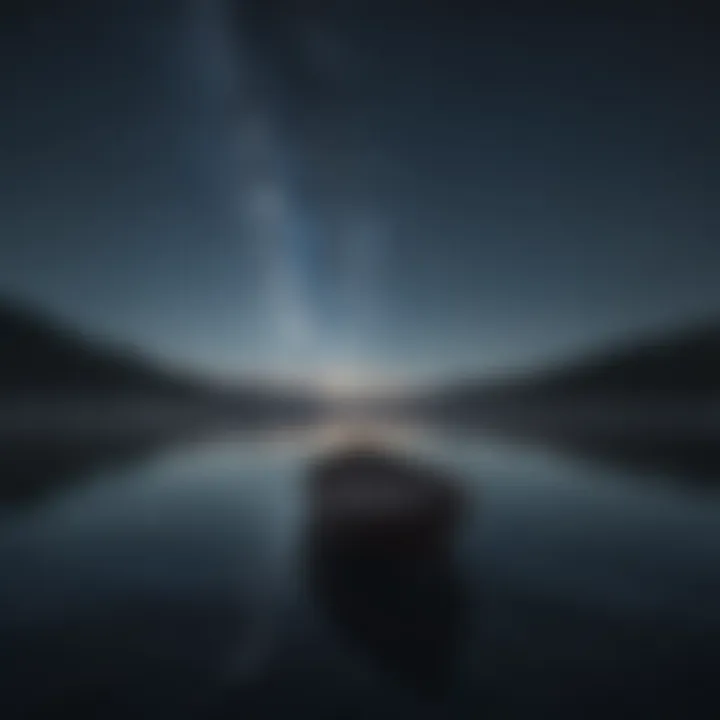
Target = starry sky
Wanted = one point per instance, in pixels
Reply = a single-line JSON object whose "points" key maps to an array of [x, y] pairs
{"points": [[402, 188]]}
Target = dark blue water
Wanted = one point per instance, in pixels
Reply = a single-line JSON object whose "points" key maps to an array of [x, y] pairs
{"points": [[176, 588]]}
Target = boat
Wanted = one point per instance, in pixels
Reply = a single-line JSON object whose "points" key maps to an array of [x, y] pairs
{"points": [[381, 565], [369, 501]]}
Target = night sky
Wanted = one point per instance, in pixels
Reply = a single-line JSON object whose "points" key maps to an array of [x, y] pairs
{"points": [[394, 187]]}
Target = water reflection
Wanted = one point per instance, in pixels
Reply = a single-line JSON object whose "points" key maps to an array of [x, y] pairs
{"points": [[31, 470], [682, 462], [132, 594], [689, 464]]}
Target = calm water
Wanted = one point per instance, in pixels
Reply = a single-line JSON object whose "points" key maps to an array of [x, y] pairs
{"points": [[175, 588]]}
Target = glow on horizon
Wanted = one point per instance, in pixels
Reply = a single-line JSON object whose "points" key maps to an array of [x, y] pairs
{"points": [[331, 380]]}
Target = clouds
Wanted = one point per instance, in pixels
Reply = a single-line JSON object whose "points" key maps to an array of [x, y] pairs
{"points": [[301, 168], [270, 225]]}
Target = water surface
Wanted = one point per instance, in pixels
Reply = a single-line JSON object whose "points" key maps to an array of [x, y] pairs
{"points": [[175, 586]]}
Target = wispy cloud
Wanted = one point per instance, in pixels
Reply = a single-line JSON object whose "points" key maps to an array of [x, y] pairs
{"points": [[299, 45]]}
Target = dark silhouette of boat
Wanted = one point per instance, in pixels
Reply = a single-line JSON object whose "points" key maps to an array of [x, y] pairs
{"points": [[381, 563], [370, 502]]}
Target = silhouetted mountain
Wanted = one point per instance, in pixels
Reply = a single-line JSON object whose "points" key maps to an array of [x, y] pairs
{"points": [[681, 365], [653, 404], [42, 357], [70, 404]]}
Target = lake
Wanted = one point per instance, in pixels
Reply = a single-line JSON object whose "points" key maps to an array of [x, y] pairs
{"points": [[174, 586]]}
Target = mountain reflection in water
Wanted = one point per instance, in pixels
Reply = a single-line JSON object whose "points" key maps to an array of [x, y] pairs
{"points": [[181, 583]]}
